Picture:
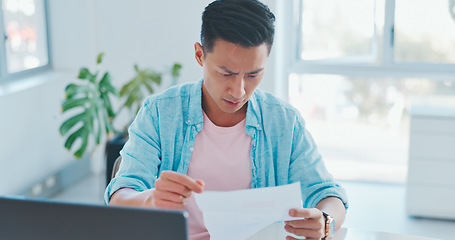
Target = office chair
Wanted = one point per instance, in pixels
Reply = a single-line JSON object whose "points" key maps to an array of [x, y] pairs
{"points": [[116, 166]]}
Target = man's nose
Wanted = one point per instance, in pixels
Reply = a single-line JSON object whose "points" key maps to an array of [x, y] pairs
{"points": [[238, 88]]}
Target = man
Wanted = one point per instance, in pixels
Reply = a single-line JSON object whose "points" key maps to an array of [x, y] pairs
{"points": [[222, 133]]}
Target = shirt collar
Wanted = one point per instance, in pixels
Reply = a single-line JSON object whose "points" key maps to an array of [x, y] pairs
{"points": [[253, 116], [195, 109]]}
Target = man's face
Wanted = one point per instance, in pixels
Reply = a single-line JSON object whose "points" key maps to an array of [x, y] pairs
{"points": [[231, 74]]}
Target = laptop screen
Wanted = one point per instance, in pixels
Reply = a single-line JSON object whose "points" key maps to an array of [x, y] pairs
{"points": [[39, 219]]}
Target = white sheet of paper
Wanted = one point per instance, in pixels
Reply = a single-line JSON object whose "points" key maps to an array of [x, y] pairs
{"points": [[240, 214]]}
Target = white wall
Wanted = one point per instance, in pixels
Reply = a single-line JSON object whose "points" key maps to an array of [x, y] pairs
{"points": [[153, 34], [30, 145], [150, 33]]}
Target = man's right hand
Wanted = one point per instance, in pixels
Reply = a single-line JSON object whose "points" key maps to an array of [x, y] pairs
{"points": [[171, 191]]}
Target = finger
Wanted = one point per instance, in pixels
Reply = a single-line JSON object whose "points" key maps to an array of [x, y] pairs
{"points": [[185, 180], [307, 233], [170, 186], [309, 223], [201, 183], [168, 196], [305, 212]]}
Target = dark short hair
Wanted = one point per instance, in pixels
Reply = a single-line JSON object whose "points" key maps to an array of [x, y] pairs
{"points": [[248, 23]]}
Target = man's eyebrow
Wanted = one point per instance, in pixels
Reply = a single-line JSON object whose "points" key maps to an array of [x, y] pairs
{"points": [[256, 71], [225, 69], [235, 73]]}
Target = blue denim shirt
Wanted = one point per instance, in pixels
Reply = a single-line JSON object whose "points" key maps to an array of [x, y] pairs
{"points": [[282, 150]]}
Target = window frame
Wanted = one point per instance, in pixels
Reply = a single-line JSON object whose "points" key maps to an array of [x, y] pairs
{"points": [[289, 60], [6, 77]]}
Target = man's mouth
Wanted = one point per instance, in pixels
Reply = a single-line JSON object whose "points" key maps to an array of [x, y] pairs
{"points": [[232, 103]]}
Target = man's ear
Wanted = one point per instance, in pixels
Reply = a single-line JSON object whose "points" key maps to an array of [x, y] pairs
{"points": [[199, 53]]}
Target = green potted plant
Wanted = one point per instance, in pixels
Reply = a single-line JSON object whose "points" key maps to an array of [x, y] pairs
{"points": [[91, 113]]}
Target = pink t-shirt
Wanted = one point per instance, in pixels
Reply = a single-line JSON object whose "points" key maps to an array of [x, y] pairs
{"points": [[221, 158]]}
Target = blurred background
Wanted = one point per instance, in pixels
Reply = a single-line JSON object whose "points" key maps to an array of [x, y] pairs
{"points": [[371, 78]]}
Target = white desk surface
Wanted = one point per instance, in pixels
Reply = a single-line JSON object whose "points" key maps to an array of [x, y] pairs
{"points": [[276, 231]]}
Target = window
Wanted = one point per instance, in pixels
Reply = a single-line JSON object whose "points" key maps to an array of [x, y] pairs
{"points": [[426, 33], [23, 37], [333, 29], [356, 69]]}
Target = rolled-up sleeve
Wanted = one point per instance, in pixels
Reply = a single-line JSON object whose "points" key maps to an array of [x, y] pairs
{"points": [[307, 166], [141, 155]]}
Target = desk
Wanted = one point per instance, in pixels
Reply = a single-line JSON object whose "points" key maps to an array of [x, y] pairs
{"points": [[276, 231]]}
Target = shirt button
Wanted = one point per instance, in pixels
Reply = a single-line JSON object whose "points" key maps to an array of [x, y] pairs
{"points": [[198, 126], [191, 149]]}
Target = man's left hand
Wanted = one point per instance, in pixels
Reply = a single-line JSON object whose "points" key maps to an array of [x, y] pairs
{"points": [[312, 227]]}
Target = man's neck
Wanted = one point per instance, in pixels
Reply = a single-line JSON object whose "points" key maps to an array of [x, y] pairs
{"points": [[222, 119]]}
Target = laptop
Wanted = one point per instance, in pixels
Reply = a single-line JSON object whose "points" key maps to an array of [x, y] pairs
{"points": [[23, 219]]}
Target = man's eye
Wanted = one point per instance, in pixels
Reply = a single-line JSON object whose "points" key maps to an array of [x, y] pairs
{"points": [[252, 75], [225, 74]]}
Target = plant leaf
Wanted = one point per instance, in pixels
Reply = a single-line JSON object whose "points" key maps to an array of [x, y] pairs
{"points": [[99, 58], [70, 123], [93, 77], [155, 77], [133, 92], [72, 138], [84, 73], [74, 102], [176, 70], [79, 153], [82, 133], [105, 85], [99, 131], [126, 88], [134, 95], [108, 106], [107, 124], [148, 87], [73, 89]]}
